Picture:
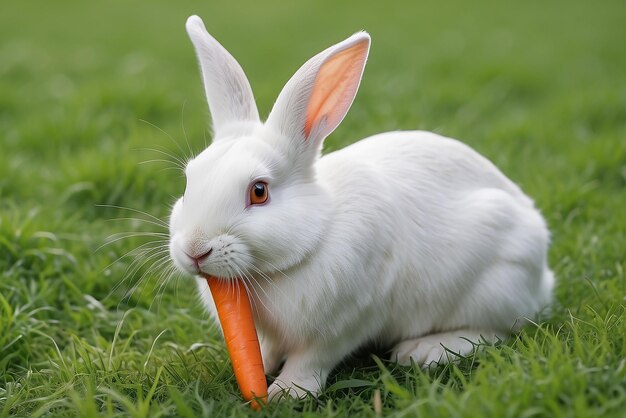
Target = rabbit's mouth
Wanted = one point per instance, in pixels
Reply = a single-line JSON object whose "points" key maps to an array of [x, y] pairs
{"points": [[211, 277], [224, 256]]}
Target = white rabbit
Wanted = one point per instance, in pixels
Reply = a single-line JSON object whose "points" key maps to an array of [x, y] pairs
{"points": [[404, 238]]}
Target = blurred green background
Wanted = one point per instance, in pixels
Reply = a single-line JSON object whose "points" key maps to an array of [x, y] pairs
{"points": [[92, 93]]}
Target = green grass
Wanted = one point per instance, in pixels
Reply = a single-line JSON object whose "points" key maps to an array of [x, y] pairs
{"points": [[538, 87]]}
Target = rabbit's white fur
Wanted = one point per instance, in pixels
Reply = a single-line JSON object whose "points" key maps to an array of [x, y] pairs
{"points": [[404, 238]]}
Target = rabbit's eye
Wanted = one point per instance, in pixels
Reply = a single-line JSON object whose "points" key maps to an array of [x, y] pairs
{"points": [[259, 193]]}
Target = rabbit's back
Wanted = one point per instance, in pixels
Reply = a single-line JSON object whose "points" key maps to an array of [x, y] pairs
{"points": [[430, 163]]}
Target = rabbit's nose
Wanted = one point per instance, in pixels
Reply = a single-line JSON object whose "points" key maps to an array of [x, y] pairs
{"points": [[197, 259]]}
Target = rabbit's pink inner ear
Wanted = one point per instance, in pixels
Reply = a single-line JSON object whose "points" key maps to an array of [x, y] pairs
{"points": [[335, 87]]}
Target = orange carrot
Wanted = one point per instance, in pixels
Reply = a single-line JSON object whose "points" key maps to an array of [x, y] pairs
{"points": [[242, 343]]}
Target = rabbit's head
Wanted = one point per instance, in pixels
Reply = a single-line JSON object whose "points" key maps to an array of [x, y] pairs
{"points": [[252, 204]]}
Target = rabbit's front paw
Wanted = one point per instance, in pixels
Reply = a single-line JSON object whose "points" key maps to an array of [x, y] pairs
{"points": [[294, 389], [297, 382]]}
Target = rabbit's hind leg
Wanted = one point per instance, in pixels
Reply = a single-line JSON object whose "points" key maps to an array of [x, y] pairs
{"points": [[441, 348]]}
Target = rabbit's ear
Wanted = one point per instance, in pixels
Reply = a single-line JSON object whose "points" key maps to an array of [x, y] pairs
{"points": [[227, 89], [316, 99]]}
